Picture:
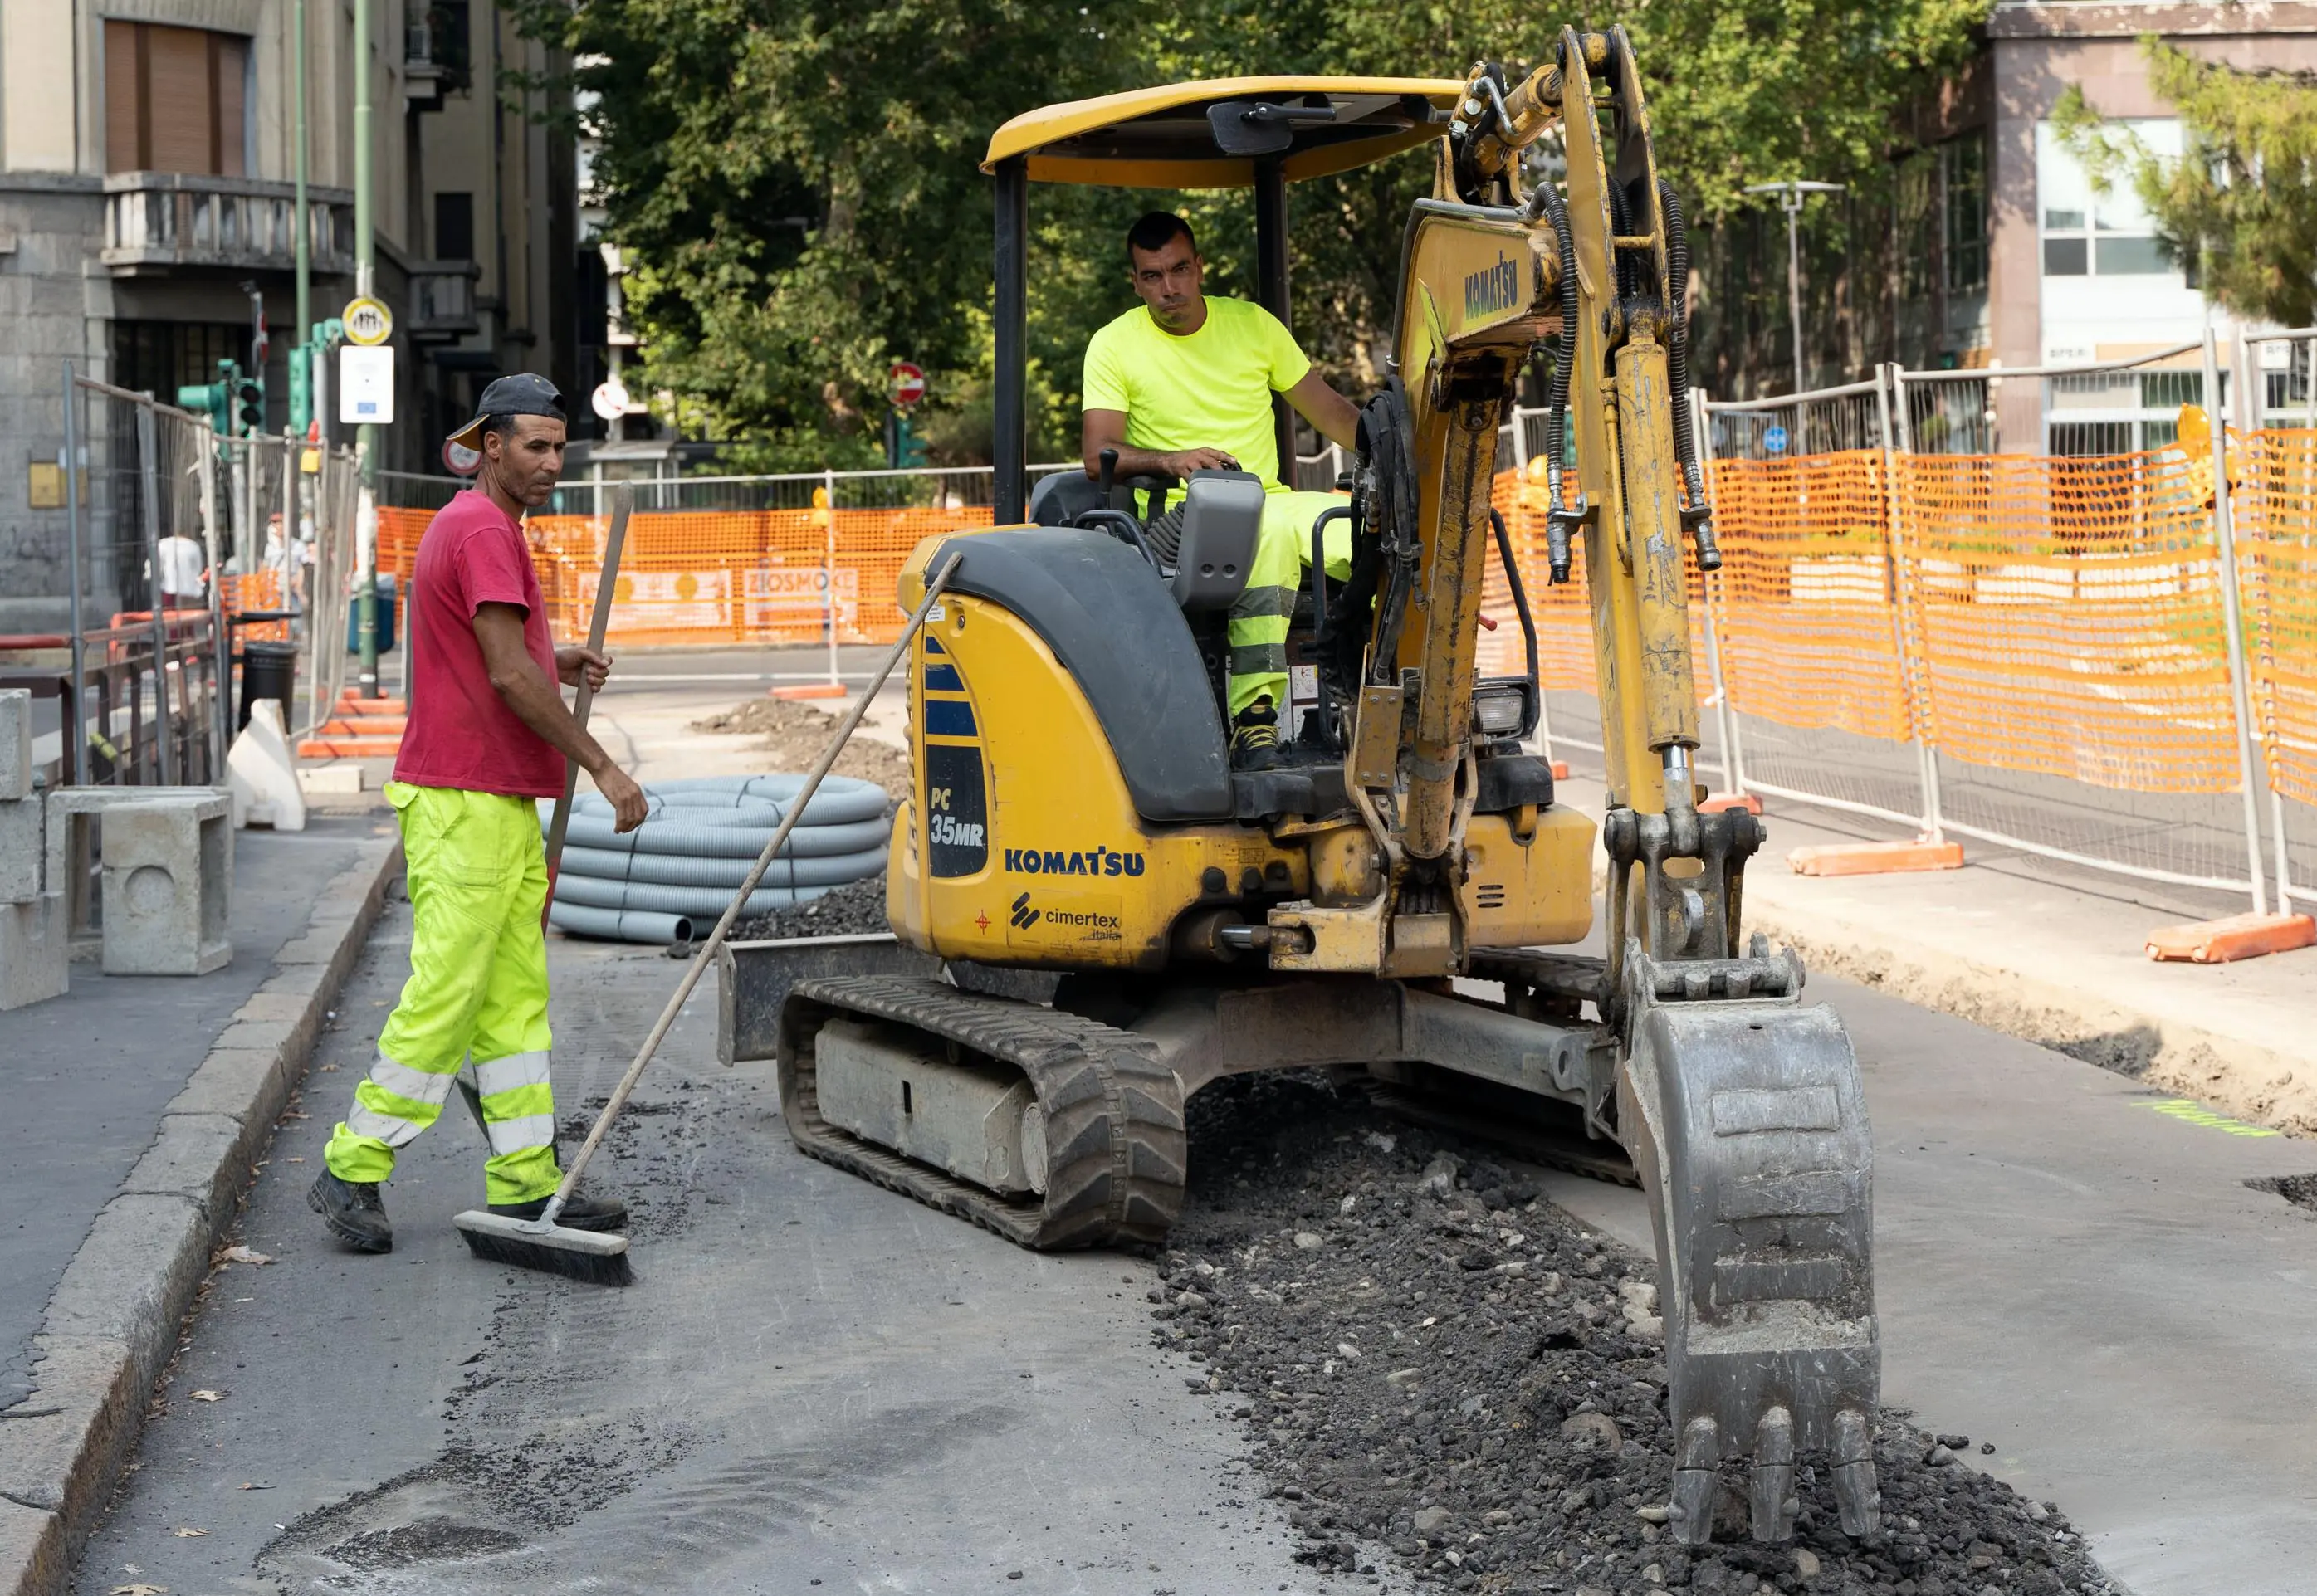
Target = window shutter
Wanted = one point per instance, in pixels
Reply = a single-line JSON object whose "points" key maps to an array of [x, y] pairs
{"points": [[230, 52], [124, 99], [178, 106]]}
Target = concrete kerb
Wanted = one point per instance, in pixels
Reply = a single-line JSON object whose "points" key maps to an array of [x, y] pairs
{"points": [[111, 1326]]}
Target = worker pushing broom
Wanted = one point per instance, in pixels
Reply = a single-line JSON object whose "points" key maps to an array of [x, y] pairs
{"points": [[488, 736]]}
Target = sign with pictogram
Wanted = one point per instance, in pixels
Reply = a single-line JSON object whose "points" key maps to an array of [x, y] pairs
{"points": [[368, 322], [610, 400], [908, 383]]}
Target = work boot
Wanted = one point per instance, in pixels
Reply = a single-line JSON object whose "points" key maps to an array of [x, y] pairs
{"points": [[351, 1210], [1255, 737], [583, 1212]]}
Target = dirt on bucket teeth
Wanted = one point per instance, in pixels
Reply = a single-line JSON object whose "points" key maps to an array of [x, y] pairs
{"points": [[1450, 1379]]}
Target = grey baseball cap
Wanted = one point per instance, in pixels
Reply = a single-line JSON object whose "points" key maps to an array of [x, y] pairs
{"points": [[523, 393]]}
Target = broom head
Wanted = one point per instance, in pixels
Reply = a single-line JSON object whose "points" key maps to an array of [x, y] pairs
{"points": [[598, 1257]]}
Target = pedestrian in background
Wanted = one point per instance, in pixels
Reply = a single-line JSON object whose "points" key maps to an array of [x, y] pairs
{"points": [[487, 738]]}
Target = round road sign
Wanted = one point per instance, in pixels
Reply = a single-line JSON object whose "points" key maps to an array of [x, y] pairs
{"points": [[1773, 440], [458, 459], [610, 400], [367, 322], [908, 383]]}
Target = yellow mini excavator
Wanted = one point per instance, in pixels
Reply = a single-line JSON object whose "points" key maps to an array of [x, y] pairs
{"points": [[1388, 897]]}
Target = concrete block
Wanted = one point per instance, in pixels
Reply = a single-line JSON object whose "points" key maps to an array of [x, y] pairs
{"points": [[16, 742], [73, 813], [22, 850], [265, 776], [168, 879], [35, 953]]}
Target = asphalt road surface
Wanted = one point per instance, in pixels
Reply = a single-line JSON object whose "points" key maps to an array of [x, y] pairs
{"points": [[814, 1382], [817, 1381]]}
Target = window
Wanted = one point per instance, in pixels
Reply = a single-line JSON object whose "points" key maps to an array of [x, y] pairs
{"points": [[1917, 186], [454, 226], [175, 100], [2094, 235], [1963, 188]]}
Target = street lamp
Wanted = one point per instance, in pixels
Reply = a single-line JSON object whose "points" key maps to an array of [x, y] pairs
{"points": [[1790, 201]]}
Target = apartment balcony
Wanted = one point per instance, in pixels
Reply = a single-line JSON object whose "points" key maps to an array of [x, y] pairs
{"points": [[160, 221], [442, 300]]}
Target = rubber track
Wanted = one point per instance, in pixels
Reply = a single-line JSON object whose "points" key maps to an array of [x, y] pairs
{"points": [[1117, 1151]]}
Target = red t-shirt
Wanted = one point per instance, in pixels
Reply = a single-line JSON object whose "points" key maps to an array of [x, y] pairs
{"points": [[461, 733]]}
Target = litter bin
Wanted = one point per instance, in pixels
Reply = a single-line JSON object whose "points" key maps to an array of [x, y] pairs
{"points": [[268, 670], [386, 597]]}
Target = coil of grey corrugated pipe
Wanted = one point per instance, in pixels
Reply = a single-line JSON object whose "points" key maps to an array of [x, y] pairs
{"points": [[695, 846]]}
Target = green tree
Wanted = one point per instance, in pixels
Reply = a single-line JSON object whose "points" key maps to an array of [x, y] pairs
{"points": [[798, 183], [2239, 204]]}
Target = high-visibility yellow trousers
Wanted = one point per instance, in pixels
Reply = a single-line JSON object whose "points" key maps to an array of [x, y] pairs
{"points": [[1259, 615], [477, 986]]}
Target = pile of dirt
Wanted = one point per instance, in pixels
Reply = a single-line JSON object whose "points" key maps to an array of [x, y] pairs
{"points": [[795, 735], [842, 911], [1442, 1370]]}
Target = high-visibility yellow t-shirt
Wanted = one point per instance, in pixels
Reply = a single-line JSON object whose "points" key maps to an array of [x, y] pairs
{"points": [[1207, 389]]}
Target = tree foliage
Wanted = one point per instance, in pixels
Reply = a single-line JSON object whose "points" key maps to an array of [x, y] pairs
{"points": [[796, 183], [2241, 202]]}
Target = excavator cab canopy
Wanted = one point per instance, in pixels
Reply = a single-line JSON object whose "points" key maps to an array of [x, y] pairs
{"points": [[1233, 132]]}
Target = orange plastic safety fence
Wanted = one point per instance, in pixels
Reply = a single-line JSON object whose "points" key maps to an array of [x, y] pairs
{"points": [[255, 590], [752, 577], [398, 531], [1809, 591], [2276, 551], [1563, 614], [2068, 618]]}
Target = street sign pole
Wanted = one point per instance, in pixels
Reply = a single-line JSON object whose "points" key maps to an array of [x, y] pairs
{"points": [[366, 437]]}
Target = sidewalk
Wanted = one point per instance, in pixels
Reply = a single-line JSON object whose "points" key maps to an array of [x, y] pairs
{"points": [[2050, 954], [138, 1105]]}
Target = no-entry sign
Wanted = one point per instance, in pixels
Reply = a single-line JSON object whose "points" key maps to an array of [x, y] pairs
{"points": [[908, 383]]}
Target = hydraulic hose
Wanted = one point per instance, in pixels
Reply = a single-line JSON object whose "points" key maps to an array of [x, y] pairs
{"points": [[1684, 433], [1556, 401]]}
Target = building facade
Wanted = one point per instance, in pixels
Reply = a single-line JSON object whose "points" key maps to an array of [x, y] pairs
{"points": [[147, 215], [1989, 245]]}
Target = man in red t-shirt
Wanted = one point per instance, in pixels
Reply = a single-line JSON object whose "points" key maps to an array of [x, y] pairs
{"points": [[487, 738]]}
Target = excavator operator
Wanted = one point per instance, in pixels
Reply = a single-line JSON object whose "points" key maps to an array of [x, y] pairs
{"points": [[1183, 383]]}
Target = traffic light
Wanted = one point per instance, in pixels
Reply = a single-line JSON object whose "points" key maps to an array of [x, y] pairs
{"points": [[903, 447], [213, 399], [301, 388], [249, 404]]}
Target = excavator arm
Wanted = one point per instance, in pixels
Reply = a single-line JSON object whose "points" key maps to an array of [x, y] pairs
{"points": [[1740, 1107]]}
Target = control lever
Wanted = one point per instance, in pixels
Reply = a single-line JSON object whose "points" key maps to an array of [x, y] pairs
{"points": [[1109, 459]]}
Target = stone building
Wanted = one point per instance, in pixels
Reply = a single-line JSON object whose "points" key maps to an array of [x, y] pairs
{"points": [[148, 217]]}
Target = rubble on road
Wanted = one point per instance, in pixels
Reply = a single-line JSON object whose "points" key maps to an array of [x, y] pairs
{"points": [[795, 735], [853, 909], [1445, 1372]]}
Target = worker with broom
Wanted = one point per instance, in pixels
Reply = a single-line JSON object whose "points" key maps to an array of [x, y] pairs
{"points": [[487, 736]]}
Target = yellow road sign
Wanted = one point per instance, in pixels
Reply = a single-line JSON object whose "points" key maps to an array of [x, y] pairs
{"points": [[367, 321]]}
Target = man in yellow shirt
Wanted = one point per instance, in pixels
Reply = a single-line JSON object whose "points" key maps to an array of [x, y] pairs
{"points": [[1183, 383]]}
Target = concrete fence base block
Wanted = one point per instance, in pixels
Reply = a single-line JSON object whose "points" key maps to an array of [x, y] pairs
{"points": [[16, 742], [22, 850], [35, 953], [168, 877]]}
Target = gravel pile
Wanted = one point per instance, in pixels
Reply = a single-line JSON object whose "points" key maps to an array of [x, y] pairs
{"points": [[841, 911], [1450, 1379]]}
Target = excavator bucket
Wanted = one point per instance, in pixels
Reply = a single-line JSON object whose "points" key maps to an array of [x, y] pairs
{"points": [[1745, 1118]]}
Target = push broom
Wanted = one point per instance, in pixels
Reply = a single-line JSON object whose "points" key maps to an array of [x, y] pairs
{"points": [[602, 1257]]}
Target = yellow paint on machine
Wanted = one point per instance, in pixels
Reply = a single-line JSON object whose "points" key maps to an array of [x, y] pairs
{"points": [[1073, 878]]}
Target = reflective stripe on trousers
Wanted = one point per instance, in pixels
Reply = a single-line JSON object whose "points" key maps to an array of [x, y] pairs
{"points": [[1259, 616], [477, 986]]}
